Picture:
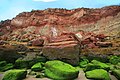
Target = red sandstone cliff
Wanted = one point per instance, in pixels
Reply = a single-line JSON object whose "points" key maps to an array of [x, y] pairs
{"points": [[52, 22]]}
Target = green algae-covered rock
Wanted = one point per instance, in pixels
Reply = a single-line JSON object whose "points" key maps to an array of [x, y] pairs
{"points": [[91, 66], [19, 63], [28, 63], [96, 65], [59, 70], [4, 66], [116, 73], [15, 75], [83, 63], [102, 65], [98, 74], [2, 63], [37, 67], [114, 59]]}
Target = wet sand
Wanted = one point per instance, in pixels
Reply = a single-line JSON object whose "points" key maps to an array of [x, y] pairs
{"points": [[1, 75], [81, 76]]}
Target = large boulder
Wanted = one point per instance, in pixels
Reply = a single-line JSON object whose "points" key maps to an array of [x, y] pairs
{"points": [[15, 75], [59, 70], [98, 74], [67, 51]]}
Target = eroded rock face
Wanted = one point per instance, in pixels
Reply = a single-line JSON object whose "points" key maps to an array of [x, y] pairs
{"points": [[52, 22], [66, 51]]}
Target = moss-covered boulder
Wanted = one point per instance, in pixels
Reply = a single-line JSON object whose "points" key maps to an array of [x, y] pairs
{"points": [[116, 73], [4, 66], [91, 66], [15, 75], [20, 63], [98, 74], [37, 67], [59, 70], [2, 63], [28, 63], [96, 65], [83, 63], [114, 59], [102, 65]]}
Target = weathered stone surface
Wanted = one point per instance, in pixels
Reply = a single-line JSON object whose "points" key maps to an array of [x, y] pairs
{"points": [[67, 51]]}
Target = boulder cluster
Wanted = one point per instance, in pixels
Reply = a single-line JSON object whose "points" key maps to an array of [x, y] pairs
{"points": [[59, 70]]}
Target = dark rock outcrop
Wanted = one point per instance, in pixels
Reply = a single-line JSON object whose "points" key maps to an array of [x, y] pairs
{"points": [[8, 54]]}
